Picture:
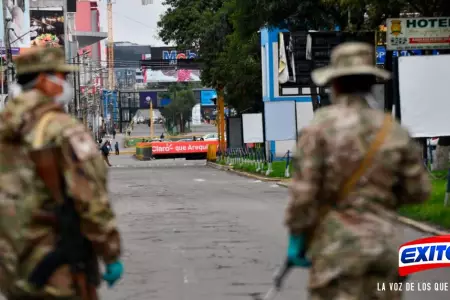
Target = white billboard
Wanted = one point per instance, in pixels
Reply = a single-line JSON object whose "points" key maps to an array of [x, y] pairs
{"points": [[418, 33], [19, 26], [253, 128], [280, 120], [424, 97]]}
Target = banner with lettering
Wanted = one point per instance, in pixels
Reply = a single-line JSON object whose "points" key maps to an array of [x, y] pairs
{"points": [[418, 33]]}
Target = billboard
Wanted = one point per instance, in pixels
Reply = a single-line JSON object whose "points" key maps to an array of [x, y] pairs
{"points": [[280, 120], [146, 97], [47, 27], [19, 27], [418, 33], [253, 128]]}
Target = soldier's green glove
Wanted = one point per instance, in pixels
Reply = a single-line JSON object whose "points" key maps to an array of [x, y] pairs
{"points": [[296, 252], [113, 273]]}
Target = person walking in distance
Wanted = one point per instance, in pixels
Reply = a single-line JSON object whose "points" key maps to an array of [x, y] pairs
{"points": [[59, 220], [114, 134], [116, 146], [354, 166], [105, 152]]}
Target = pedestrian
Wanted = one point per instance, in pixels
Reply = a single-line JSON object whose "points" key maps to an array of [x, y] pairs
{"points": [[162, 137], [69, 224], [114, 134], [117, 148], [355, 166], [105, 152]]}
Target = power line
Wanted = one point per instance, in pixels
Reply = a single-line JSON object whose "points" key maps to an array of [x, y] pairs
{"points": [[131, 19]]}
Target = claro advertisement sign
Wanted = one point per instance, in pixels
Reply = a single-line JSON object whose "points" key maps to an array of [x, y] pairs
{"points": [[159, 148]]}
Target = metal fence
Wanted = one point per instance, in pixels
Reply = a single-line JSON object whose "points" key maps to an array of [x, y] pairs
{"points": [[257, 158]]}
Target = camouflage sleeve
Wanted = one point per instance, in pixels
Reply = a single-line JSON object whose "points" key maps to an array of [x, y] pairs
{"points": [[302, 210], [86, 182], [414, 184]]}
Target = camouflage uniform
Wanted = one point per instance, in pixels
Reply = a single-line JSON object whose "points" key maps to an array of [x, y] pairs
{"points": [[85, 177], [354, 245]]}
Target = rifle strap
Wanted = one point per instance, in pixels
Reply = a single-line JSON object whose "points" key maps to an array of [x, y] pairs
{"points": [[350, 183], [42, 124], [368, 159]]}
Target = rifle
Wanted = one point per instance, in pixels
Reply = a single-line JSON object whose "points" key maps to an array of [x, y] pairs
{"points": [[72, 247], [278, 281]]}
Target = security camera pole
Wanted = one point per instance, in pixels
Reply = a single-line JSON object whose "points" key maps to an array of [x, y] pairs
{"points": [[7, 45]]}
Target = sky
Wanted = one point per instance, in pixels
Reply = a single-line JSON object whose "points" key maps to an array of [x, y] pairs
{"points": [[133, 22]]}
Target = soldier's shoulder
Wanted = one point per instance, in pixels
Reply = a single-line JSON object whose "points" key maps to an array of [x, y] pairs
{"points": [[61, 122], [59, 128]]}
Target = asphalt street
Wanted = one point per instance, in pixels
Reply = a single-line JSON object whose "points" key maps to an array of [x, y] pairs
{"points": [[195, 233]]}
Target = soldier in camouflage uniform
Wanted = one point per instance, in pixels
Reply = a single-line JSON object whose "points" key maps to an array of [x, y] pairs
{"points": [[350, 239], [41, 74]]}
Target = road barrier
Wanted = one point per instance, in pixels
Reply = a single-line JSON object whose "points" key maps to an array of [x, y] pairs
{"points": [[212, 153], [144, 151], [188, 150]]}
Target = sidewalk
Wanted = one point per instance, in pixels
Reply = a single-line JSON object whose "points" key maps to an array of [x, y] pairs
{"points": [[120, 137]]}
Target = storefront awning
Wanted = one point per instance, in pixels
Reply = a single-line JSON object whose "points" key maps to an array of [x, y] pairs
{"points": [[87, 38]]}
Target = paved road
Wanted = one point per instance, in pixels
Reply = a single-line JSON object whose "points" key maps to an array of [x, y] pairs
{"points": [[144, 130], [195, 233]]}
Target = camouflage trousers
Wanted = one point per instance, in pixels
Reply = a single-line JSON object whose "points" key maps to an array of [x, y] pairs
{"points": [[368, 287]]}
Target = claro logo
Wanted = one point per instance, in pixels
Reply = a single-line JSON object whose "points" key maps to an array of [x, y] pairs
{"points": [[167, 148]]}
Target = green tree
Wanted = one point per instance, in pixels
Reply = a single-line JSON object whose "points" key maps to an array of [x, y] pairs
{"points": [[228, 59], [179, 111]]}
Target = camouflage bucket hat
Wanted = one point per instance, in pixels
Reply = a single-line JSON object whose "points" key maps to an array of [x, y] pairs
{"points": [[353, 58], [42, 59]]}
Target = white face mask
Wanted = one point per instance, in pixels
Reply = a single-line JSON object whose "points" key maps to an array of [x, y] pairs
{"points": [[15, 90], [67, 94]]}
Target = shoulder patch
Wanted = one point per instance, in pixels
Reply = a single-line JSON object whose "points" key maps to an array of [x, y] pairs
{"points": [[81, 141]]}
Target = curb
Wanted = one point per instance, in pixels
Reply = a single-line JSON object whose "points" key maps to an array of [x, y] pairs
{"points": [[242, 173], [127, 152], [285, 183]]}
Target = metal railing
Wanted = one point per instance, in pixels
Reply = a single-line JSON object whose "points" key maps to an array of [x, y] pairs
{"points": [[256, 159]]}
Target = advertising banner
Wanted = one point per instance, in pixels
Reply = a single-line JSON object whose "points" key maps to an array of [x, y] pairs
{"points": [[19, 27], [181, 147], [418, 33], [47, 27], [146, 97]]}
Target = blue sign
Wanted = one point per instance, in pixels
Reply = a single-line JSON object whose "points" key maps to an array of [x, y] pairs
{"points": [[165, 101], [207, 96], [381, 54], [14, 51], [146, 97], [110, 104]]}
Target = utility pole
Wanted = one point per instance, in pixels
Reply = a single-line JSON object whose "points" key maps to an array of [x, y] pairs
{"points": [[152, 131], [221, 120], [7, 45]]}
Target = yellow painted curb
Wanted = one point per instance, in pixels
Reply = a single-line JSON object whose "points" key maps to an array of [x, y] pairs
{"points": [[124, 153]]}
